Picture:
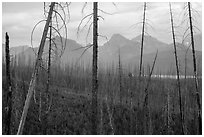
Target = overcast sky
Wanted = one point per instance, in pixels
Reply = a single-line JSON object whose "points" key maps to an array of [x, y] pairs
{"points": [[18, 19]]}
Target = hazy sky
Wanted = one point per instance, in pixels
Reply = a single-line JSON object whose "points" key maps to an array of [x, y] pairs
{"points": [[18, 19]]}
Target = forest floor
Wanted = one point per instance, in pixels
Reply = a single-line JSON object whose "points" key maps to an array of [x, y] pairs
{"points": [[70, 113]]}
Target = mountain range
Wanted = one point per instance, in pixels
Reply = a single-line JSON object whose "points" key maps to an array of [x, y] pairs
{"points": [[129, 50]]}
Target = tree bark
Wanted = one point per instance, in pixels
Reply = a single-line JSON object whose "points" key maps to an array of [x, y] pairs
{"points": [[94, 71], [9, 92], [142, 42]]}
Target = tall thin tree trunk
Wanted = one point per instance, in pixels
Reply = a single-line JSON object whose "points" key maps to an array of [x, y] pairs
{"points": [[146, 107], [94, 71], [195, 71], [9, 92], [141, 55], [142, 42], [37, 65], [177, 70]]}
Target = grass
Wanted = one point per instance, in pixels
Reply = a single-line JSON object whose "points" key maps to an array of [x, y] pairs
{"points": [[70, 112]]}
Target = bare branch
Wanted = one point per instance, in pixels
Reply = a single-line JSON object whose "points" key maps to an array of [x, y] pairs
{"points": [[105, 12], [32, 34], [135, 25], [114, 5], [68, 4], [84, 6], [149, 78], [88, 31], [88, 46], [87, 23], [65, 29], [101, 17], [103, 36], [81, 48], [62, 11], [78, 28]]}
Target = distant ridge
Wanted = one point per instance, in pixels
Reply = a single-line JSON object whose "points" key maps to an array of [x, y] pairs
{"points": [[129, 51]]}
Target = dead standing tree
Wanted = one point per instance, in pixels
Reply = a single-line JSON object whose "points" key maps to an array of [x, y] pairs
{"points": [[142, 41], [95, 16], [94, 70], [195, 70], [177, 69], [189, 19], [145, 24], [55, 51], [8, 85], [146, 107], [35, 72], [141, 68]]}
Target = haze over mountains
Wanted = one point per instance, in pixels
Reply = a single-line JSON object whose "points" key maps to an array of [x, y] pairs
{"points": [[129, 52]]}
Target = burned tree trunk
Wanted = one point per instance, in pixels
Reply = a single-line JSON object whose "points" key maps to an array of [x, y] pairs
{"points": [[177, 70], [37, 65], [195, 71], [8, 85], [141, 55], [146, 107], [142, 42], [94, 71]]}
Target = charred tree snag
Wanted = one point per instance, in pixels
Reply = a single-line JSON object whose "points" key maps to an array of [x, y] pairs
{"points": [[142, 42], [195, 71], [9, 92], [35, 72], [177, 70], [146, 107], [94, 70]]}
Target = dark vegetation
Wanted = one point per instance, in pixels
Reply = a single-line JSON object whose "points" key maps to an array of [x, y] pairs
{"points": [[70, 112]]}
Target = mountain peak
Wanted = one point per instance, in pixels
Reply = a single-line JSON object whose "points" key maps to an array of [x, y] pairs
{"points": [[58, 38], [147, 38], [117, 37]]}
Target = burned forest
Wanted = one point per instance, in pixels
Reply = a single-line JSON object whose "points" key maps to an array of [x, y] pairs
{"points": [[101, 68]]}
